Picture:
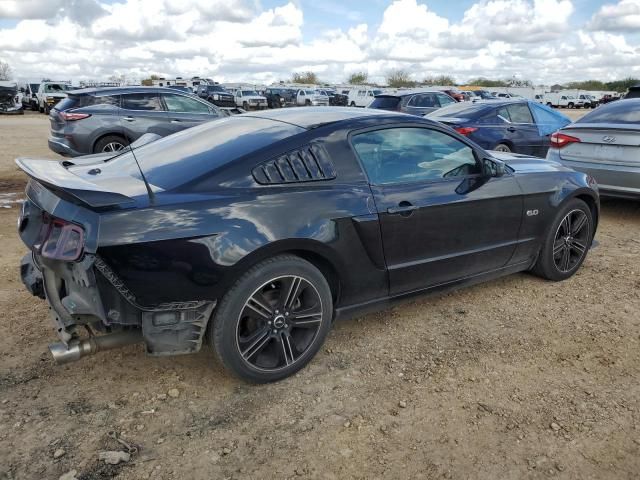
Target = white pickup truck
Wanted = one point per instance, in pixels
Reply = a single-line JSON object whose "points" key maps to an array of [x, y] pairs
{"points": [[50, 93], [561, 100], [308, 97], [250, 99]]}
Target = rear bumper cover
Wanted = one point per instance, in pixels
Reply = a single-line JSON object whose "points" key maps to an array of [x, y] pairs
{"points": [[58, 145]]}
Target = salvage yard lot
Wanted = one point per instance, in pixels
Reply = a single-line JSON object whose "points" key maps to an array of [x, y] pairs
{"points": [[517, 378]]}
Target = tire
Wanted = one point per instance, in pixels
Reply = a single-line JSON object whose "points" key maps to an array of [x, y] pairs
{"points": [[237, 327], [552, 265], [307, 103], [353, 104], [245, 105], [570, 105], [47, 109], [503, 147], [40, 109], [108, 144]]}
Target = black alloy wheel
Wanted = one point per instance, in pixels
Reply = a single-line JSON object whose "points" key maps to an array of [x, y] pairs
{"points": [[278, 323], [273, 320], [567, 242], [571, 241]]}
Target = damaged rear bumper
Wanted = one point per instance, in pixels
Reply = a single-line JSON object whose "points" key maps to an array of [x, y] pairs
{"points": [[89, 295]]}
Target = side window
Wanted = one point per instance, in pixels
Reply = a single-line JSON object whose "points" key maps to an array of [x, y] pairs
{"points": [[141, 101], [402, 155], [445, 100], [520, 113], [180, 103], [107, 100], [504, 113], [423, 101]]}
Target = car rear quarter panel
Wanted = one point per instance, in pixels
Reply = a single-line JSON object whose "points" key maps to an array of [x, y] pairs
{"points": [[194, 246]]}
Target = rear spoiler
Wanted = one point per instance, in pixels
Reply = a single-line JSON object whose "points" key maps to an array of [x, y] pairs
{"points": [[55, 176]]}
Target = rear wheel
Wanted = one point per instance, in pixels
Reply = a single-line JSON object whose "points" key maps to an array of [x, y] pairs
{"points": [[567, 242], [274, 319], [110, 143], [40, 109], [502, 147], [307, 103], [353, 104]]}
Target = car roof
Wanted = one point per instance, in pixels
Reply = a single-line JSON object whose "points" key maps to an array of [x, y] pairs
{"points": [[116, 90], [404, 93], [312, 117]]}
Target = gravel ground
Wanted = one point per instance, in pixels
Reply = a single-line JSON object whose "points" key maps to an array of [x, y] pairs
{"points": [[514, 379]]}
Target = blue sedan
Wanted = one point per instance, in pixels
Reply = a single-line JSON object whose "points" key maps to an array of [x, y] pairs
{"points": [[514, 125]]}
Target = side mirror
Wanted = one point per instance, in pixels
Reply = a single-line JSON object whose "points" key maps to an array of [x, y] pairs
{"points": [[492, 167]]}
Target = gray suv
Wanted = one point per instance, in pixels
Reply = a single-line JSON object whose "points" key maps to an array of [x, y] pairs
{"points": [[414, 102], [94, 120]]}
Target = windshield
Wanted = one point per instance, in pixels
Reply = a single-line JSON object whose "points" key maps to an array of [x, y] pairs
{"points": [[377, 92], [249, 93], [56, 87], [215, 88], [310, 92], [187, 155]]}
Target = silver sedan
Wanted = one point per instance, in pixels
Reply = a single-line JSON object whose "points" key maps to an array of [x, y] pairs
{"points": [[605, 144]]}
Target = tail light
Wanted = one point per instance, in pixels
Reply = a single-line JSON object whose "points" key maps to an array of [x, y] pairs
{"points": [[465, 130], [560, 140], [59, 239], [71, 116]]}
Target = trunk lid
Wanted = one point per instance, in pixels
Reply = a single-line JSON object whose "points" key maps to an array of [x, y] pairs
{"points": [[611, 144]]}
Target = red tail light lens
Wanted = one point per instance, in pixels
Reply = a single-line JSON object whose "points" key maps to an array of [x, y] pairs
{"points": [[71, 116], [465, 130], [560, 140], [59, 239]]}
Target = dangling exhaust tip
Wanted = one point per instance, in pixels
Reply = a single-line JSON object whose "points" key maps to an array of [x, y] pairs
{"points": [[78, 348]]}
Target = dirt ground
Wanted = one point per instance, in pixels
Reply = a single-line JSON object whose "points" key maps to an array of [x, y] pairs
{"points": [[514, 379]]}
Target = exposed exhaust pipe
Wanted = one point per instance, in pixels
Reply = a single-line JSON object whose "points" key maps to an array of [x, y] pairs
{"points": [[76, 349]]}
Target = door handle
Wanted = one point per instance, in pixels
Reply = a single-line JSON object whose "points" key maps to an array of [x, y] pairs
{"points": [[511, 129], [175, 121], [404, 208], [128, 119]]}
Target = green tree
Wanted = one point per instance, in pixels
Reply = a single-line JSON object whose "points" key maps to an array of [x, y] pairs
{"points": [[148, 82], [440, 80], [485, 82], [400, 78], [587, 85], [358, 78], [622, 85], [305, 77]]}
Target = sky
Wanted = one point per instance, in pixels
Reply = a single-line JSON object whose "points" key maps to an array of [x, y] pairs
{"points": [[263, 41]]}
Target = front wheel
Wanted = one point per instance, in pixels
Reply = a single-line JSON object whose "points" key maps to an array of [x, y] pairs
{"points": [[274, 319], [245, 105], [567, 242], [502, 147], [353, 104]]}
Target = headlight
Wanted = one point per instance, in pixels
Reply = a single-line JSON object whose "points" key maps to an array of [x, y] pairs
{"points": [[216, 97]]}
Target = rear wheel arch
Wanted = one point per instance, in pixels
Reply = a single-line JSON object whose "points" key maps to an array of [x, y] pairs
{"points": [[314, 252], [109, 134], [592, 204]]}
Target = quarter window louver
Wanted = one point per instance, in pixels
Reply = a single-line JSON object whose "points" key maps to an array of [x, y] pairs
{"points": [[308, 164]]}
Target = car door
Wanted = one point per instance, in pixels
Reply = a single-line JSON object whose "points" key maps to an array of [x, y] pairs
{"points": [[519, 131], [441, 218], [142, 113], [185, 112]]}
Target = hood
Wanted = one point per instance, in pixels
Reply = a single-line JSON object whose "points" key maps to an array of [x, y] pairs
{"points": [[528, 164], [254, 97], [8, 95]]}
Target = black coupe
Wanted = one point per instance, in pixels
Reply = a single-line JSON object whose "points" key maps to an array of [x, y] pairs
{"points": [[253, 233]]}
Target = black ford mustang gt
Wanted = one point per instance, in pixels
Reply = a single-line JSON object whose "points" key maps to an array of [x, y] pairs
{"points": [[263, 228]]}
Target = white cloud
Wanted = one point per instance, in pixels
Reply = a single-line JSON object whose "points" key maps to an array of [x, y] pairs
{"points": [[622, 16], [236, 40]]}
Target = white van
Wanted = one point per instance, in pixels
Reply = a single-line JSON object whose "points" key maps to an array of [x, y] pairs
{"points": [[362, 97]]}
